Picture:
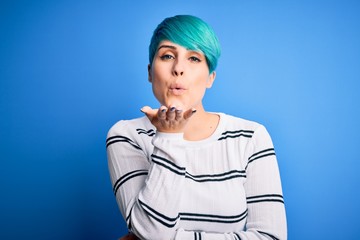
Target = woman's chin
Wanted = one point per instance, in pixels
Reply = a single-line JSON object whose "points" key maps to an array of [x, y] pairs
{"points": [[176, 104]]}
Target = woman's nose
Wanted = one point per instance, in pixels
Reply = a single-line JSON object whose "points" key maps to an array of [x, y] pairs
{"points": [[178, 73], [178, 68]]}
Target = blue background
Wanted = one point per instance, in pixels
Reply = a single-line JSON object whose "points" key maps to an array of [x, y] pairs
{"points": [[70, 69]]}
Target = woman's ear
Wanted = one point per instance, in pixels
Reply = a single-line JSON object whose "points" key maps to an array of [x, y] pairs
{"points": [[149, 73], [211, 79]]}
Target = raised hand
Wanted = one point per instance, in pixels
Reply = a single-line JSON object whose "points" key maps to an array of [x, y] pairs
{"points": [[168, 120]]}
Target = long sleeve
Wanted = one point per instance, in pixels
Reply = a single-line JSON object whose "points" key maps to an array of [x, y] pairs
{"points": [[145, 188], [266, 210]]}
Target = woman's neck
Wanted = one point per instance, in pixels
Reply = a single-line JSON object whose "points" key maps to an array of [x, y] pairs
{"points": [[201, 125]]}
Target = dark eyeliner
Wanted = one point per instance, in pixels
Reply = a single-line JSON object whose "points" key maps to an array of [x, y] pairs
{"points": [[166, 57], [195, 59]]}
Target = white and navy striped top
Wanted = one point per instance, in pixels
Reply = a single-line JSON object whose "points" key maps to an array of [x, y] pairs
{"points": [[224, 187]]}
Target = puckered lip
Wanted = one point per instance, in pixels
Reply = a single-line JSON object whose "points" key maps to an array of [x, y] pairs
{"points": [[177, 86], [177, 89]]}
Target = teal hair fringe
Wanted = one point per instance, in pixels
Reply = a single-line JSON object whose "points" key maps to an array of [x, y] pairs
{"points": [[190, 32]]}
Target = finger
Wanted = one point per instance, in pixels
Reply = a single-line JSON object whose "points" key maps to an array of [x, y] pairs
{"points": [[178, 114], [171, 113], [189, 113], [149, 112], [162, 112]]}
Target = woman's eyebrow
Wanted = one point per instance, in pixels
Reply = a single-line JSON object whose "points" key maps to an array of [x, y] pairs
{"points": [[167, 46]]}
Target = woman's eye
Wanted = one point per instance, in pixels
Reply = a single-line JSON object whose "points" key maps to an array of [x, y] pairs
{"points": [[195, 59], [166, 57]]}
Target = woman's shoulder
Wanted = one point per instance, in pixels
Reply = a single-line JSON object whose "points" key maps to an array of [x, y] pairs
{"points": [[243, 129], [131, 126], [251, 130], [234, 122]]}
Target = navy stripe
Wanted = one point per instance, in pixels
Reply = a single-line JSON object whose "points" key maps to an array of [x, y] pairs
{"points": [[171, 222], [150, 132], [116, 139], [165, 163], [127, 177], [159, 216], [237, 236], [235, 136], [128, 174], [159, 220], [118, 136], [195, 236], [212, 218], [169, 168], [266, 150], [158, 213], [197, 178], [265, 195], [199, 235], [265, 153], [169, 162], [200, 178], [238, 131], [265, 198], [217, 175], [268, 234], [123, 140], [128, 218]]}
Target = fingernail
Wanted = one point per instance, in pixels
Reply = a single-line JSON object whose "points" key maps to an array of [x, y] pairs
{"points": [[172, 109], [178, 110], [163, 110], [141, 109], [193, 111]]}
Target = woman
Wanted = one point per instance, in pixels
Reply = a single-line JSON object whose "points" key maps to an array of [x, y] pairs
{"points": [[181, 172]]}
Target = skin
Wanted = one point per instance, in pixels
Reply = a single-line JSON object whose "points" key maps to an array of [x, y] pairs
{"points": [[179, 79]]}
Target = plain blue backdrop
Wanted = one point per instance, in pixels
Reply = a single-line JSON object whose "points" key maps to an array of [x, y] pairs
{"points": [[70, 69]]}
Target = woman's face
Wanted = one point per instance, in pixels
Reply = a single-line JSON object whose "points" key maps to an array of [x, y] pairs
{"points": [[179, 76]]}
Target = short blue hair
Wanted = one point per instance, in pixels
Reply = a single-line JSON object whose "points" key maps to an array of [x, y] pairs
{"points": [[190, 32]]}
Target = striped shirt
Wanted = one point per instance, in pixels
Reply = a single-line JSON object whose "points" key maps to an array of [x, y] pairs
{"points": [[224, 187]]}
